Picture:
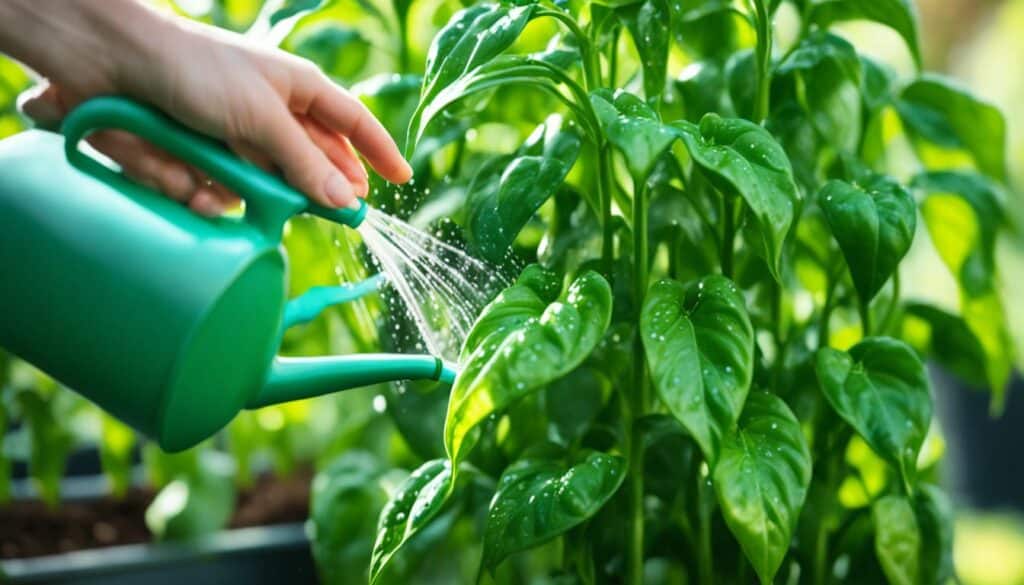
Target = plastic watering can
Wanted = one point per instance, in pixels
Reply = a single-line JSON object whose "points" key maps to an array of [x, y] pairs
{"points": [[167, 320]]}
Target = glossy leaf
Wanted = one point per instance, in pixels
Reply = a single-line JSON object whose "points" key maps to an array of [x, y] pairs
{"points": [[506, 193], [899, 15], [411, 508], [761, 479], [963, 214], [700, 348], [647, 23], [880, 389], [897, 540], [471, 38], [538, 499], [942, 116], [521, 343], [709, 28], [633, 128], [934, 512], [195, 504], [744, 159], [873, 221], [947, 339], [827, 76]]}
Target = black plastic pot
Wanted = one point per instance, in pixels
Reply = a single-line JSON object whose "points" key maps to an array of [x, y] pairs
{"points": [[253, 556]]}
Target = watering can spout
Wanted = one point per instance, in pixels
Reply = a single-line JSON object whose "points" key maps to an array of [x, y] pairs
{"points": [[298, 378]]}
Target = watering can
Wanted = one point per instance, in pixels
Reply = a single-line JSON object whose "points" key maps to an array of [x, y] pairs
{"points": [[167, 320]]}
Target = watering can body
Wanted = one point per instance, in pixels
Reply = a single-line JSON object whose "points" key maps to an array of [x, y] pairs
{"points": [[167, 320]]}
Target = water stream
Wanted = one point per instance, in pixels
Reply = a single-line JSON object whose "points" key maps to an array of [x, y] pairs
{"points": [[442, 288]]}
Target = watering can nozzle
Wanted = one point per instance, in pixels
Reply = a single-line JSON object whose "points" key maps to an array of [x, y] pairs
{"points": [[350, 216]]}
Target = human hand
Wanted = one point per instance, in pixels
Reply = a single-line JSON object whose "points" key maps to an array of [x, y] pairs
{"points": [[272, 108]]}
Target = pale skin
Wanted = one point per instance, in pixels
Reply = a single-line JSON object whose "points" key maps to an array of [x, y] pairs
{"points": [[274, 109]]}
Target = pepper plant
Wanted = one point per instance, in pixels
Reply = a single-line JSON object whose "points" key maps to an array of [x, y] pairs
{"points": [[708, 372]]}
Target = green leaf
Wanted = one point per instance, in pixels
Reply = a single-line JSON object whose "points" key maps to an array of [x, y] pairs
{"points": [[195, 504], [873, 220], [941, 116], [344, 502], [410, 509], [520, 344], [897, 540], [506, 193], [880, 389], [538, 499], [827, 76], [709, 28], [947, 339], [633, 128], [700, 347], [647, 23], [963, 214], [473, 37], [117, 450], [934, 513], [898, 15], [761, 479], [742, 157]]}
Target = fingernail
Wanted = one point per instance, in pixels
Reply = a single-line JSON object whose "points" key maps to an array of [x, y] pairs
{"points": [[338, 189], [355, 205], [408, 170]]}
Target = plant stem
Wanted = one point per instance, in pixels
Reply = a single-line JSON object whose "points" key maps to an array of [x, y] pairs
{"points": [[728, 233], [604, 192], [763, 52], [864, 307], [403, 39], [638, 407], [704, 559]]}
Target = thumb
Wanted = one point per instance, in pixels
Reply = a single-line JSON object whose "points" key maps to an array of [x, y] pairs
{"points": [[43, 105]]}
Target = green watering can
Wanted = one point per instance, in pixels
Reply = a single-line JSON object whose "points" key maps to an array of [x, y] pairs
{"points": [[167, 320]]}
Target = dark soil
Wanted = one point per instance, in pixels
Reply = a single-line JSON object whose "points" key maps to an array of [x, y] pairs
{"points": [[29, 529]]}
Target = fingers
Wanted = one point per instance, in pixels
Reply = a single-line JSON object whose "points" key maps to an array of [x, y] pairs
{"points": [[340, 152], [43, 105], [341, 112], [146, 164], [305, 165]]}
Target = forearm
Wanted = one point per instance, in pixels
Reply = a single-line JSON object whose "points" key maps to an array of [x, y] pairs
{"points": [[84, 44]]}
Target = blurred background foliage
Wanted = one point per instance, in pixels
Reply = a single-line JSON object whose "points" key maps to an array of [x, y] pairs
{"points": [[358, 439]]}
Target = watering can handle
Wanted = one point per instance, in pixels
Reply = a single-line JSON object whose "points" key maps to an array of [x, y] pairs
{"points": [[269, 200]]}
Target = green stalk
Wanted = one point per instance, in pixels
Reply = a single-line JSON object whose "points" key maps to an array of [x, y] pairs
{"points": [[728, 234], [763, 52], [864, 307], [705, 562], [604, 191], [638, 408], [402, 16]]}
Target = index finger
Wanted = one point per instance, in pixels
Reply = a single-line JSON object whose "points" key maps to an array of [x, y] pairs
{"points": [[339, 110]]}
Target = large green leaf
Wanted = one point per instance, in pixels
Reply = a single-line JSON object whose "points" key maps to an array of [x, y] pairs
{"points": [[963, 213], [195, 504], [506, 192], [633, 128], [520, 344], [827, 76], [873, 221], [473, 37], [761, 479], [941, 116], [947, 339], [538, 499], [709, 28], [344, 504], [934, 513], [879, 387], [410, 509], [647, 22], [700, 347], [897, 540], [742, 157], [896, 14]]}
